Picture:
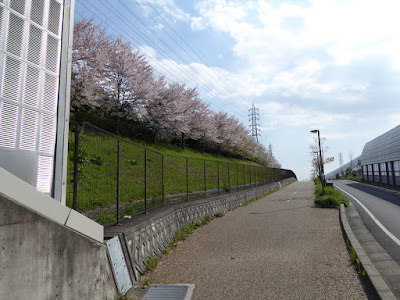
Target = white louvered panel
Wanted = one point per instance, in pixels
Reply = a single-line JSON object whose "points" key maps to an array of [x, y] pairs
{"points": [[15, 35], [54, 24], [18, 5], [37, 8], [44, 174], [35, 44], [1, 23], [11, 78], [8, 124], [49, 99], [47, 133], [52, 53], [31, 86], [28, 136]]}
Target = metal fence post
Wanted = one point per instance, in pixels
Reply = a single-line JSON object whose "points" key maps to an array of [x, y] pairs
{"points": [[264, 177], [187, 179], [244, 177], [145, 181], [229, 180], [163, 179], [250, 175], [76, 161], [218, 175], [205, 180], [237, 176], [118, 178]]}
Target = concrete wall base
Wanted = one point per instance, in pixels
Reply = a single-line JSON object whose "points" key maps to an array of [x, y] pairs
{"points": [[41, 259]]}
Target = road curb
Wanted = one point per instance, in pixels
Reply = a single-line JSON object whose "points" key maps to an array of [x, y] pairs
{"points": [[378, 283]]}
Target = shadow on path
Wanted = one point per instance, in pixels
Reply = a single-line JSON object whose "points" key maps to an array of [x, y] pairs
{"points": [[384, 195]]}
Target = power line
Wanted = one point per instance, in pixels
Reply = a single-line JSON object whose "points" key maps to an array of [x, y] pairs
{"points": [[208, 91], [179, 36], [210, 94]]}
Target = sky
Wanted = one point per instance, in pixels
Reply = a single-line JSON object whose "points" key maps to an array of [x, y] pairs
{"points": [[317, 64]]}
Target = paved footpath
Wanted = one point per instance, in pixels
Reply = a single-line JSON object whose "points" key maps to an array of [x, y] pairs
{"points": [[278, 247]]}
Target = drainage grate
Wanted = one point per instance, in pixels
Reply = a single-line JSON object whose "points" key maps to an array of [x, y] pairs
{"points": [[170, 292]]}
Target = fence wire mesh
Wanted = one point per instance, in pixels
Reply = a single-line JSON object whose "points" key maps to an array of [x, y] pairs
{"points": [[110, 177]]}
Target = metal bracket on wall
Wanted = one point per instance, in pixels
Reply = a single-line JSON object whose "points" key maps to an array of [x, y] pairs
{"points": [[118, 265]]}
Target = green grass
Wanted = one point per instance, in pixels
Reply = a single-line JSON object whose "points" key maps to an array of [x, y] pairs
{"points": [[354, 258], [332, 198], [97, 173], [355, 178]]}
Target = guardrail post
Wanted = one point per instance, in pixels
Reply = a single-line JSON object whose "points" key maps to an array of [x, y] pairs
{"points": [[76, 161], [145, 181]]}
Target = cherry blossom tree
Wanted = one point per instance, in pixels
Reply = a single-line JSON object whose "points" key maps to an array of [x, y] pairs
{"points": [[89, 54], [107, 72]]}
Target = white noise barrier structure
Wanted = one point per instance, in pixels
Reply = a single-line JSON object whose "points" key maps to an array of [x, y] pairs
{"points": [[35, 56]]}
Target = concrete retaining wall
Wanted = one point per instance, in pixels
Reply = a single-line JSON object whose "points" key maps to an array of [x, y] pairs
{"points": [[41, 259], [150, 237], [48, 251]]}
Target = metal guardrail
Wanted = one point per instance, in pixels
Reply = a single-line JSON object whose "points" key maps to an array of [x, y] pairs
{"points": [[111, 176]]}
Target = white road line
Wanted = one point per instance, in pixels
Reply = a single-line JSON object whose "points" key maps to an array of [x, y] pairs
{"points": [[385, 230]]}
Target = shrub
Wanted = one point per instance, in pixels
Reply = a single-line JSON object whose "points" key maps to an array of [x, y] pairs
{"points": [[330, 199]]}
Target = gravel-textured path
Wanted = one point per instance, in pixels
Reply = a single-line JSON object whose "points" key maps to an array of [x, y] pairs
{"points": [[278, 247]]}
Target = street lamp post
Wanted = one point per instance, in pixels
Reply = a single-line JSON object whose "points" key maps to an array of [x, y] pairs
{"points": [[322, 176]]}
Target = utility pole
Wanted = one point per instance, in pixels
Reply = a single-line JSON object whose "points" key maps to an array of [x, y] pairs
{"points": [[254, 118]]}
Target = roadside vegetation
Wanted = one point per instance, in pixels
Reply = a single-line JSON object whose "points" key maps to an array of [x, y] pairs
{"points": [[330, 199], [355, 259], [355, 178]]}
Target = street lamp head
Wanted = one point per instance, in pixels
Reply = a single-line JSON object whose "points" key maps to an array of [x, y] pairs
{"points": [[314, 131]]}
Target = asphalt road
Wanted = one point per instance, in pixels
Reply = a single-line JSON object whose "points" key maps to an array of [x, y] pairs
{"points": [[383, 218]]}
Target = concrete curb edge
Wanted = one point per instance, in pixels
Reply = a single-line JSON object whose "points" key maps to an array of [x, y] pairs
{"points": [[378, 283]]}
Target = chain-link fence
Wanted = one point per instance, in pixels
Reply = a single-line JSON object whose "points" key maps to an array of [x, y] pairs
{"points": [[110, 177]]}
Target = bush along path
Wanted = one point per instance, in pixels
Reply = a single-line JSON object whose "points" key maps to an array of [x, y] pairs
{"points": [[332, 198]]}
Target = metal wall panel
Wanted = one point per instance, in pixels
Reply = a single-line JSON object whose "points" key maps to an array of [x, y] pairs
{"points": [[384, 148], [30, 62]]}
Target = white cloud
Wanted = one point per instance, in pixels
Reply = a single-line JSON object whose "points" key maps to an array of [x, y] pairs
{"points": [[286, 49], [167, 8]]}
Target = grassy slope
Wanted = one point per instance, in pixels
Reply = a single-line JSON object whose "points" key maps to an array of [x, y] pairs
{"points": [[98, 169]]}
